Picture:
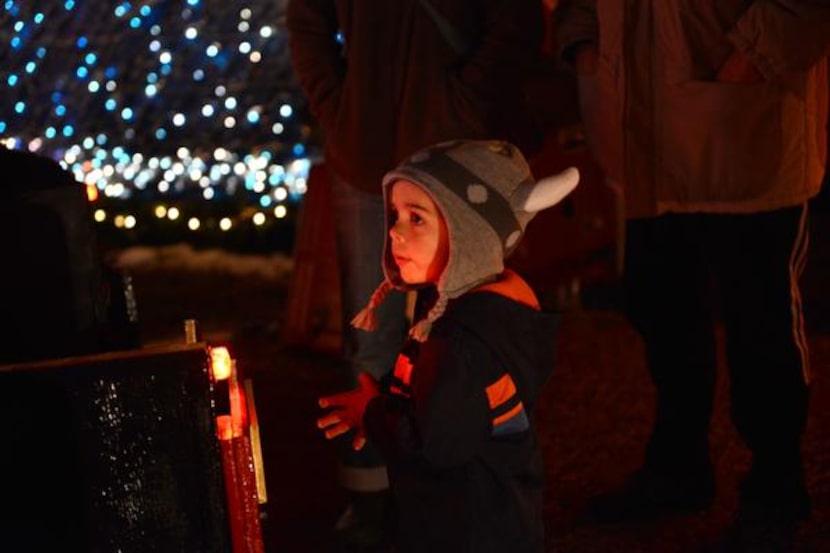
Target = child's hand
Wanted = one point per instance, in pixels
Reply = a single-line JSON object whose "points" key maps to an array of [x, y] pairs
{"points": [[347, 410]]}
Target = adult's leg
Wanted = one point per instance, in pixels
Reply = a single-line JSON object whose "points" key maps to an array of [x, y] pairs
{"points": [[665, 288], [667, 302], [761, 259]]}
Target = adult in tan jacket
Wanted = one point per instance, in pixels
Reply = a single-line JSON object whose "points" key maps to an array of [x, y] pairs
{"points": [[712, 116]]}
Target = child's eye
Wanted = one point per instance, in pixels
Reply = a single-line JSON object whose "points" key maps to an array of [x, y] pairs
{"points": [[416, 219]]}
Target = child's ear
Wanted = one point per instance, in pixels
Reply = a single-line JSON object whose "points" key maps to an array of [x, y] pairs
{"points": [[547, 192]]}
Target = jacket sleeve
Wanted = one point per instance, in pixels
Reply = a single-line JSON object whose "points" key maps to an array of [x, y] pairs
{"points": [[511, 35], [574, 22], [781, 36], [316, 54]]}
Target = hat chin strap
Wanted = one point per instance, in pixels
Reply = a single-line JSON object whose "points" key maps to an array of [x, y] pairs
{"points": [[549, 191]]}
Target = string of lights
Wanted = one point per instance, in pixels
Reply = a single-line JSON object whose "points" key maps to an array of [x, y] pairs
{"points": [[177, 115]]}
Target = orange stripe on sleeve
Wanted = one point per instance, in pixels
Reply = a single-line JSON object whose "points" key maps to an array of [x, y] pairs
{"points": [[500, 391]]}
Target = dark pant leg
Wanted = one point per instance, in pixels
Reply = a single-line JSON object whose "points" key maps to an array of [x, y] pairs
{"points": [[667, 303], [760, 258], [361, 230]]}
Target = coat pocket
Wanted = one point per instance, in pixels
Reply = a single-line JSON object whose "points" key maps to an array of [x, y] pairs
{"points": [[720, 142]]}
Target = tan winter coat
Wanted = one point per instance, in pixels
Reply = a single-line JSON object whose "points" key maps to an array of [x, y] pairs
{"points": [[679, 140]]}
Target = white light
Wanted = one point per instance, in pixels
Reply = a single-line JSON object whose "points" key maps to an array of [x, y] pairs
{"points": [[258, 218], [245, 13], [225, 224], [182, 152], [193, 223], [280, 193], [160, 211], [255, 56], [220, 154], [173, 213], [286, 110], [280, 211], [179, 119], [244, 47], [266, 31], [129, 221], [208, 193], [277, 128], [191, 33], [229, 122], [165, 57], [100, 215]]}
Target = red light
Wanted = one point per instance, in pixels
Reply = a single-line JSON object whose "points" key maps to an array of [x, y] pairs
{"points": [[221, 364]]}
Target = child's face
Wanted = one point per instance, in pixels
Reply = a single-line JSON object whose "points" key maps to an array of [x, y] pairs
{"points": [[418, 234]]}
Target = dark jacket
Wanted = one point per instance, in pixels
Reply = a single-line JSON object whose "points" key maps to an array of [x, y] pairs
{"points": [[457, 429], [394, 84]]}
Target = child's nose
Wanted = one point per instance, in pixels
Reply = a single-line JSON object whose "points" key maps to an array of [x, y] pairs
{"points": [[396, 234]]}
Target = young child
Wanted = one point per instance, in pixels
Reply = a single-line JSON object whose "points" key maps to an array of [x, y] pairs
{"points": [[454, 419]]}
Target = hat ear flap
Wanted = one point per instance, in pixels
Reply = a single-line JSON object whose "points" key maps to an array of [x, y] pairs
{"points": [[546, 193]]}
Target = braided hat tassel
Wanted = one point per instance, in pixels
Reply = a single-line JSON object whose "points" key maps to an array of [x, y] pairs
{"points": [[366, 318], [420, 331]]}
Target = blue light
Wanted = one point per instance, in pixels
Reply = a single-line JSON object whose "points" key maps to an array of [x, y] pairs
{"points": [[127, 113], [253, 116], [101, 139], [198, 75], [20, 107], [152, 78], [82, 72], [60, 110], [11, 80], [16, 42], [81, 42], [38, 18], [192, 2], [145, 10], [264, 201], [111, 72], [41, 52], [68, 131], [110, 105], [56, 96], [150, 90], [161, 134], [298, 149], [135, 22], [18, 26], [121, 11], [51, 132], [90, 58], [69, 4], [30, 67], [166, 69], [2, 126]]}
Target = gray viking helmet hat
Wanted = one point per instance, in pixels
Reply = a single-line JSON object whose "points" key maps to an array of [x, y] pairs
{"points": [[487, 196]]}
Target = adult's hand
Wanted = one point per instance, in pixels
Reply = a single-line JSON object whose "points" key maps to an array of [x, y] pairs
{"points": [[739, 69], [347, 411], [585, 58]]}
